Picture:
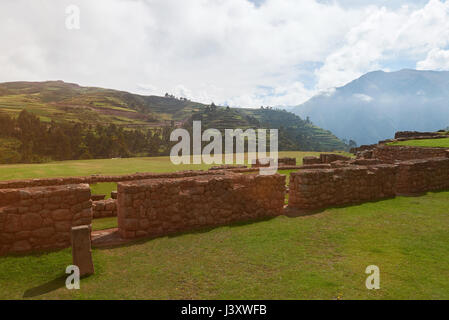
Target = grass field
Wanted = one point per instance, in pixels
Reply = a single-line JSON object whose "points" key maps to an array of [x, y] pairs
{"points": [[104, 223], [323, 256], [109, 166], [103, 188], [440, 143]]}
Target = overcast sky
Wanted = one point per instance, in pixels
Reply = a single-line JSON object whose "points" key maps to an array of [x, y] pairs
{"points": [[235, 52]]}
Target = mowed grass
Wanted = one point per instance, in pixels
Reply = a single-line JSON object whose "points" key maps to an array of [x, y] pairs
{"points": [[103, 188], [435, 143], [110, 166], [323, 256], [104, 223]]}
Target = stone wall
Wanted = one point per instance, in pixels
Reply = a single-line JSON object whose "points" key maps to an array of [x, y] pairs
{"points": [[416, 134], [101, 178], [321, 188], [151, 208], [324, 158], [36, 219], [287, 162], [104, 208], [310, 160], [390, 154], [418, 176]]}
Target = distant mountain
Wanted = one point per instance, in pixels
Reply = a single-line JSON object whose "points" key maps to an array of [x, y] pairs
{"points": [[378, 104]]}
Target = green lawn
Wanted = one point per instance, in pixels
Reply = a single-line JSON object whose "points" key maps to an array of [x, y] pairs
{"points": [[104, 223], [322, 256], [440, 143], [109, 166], [103, 188]]}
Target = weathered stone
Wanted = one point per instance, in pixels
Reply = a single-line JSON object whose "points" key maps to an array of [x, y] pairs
{"points": [[81, 250]]}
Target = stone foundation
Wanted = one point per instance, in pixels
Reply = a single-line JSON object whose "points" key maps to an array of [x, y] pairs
{"points": [[320, 188], [99, 178], [104, 208], [391, 154], [37, 219], [418, 176], [152, 208]]}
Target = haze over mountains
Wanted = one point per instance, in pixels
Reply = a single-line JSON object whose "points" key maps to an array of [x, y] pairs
{"points": [[376, 105]]}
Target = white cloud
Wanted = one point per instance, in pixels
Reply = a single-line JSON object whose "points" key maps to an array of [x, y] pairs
{"points": [[363, 97], [223, 51], [436, 59], [402, 34]]}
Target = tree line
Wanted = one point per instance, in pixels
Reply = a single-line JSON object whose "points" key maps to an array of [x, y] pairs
{"points": [[50, 141]]}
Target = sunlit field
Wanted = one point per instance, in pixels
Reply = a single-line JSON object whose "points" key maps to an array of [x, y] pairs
{"points": [[111, 166]]}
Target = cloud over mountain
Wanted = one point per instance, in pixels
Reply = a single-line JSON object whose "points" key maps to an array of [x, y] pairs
{"points": [[237, 52]]}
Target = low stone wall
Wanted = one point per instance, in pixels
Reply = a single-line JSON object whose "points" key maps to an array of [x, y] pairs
{"points": [[287, 162], [151, 208], [416, 134], [331, 157], [324, 158], [321, 188], [227, 167], [36, 219], [311, 160], [100, 178], [391, 154], [104, 208], [418, 176]]}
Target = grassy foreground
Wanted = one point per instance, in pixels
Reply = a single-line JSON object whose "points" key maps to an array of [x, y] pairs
{"points": [[435, 143], [323, 256], [111, 166]]}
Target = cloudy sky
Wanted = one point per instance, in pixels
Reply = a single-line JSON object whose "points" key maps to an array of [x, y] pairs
{"points": [[237, 52]]}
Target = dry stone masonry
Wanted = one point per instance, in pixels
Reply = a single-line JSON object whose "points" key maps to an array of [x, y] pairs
{"points": [[100, 178], [320, 188], [390, 154], [36, 219], [151, 208], [104, 208]]}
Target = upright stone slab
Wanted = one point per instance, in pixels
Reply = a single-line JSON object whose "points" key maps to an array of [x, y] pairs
{"points": [[81, 250]]}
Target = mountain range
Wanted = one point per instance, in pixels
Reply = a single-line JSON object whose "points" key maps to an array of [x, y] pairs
{"points": [[376, 105]]}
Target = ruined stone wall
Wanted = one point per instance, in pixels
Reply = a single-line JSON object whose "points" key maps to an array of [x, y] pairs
{"points": [[418, 176], [151, 208], [287, 162], [321, 188], [331, 157], [100, 178], [324, 158], [390, 154], [104, 208], [416, 134], [36, 219], [310, 160]]}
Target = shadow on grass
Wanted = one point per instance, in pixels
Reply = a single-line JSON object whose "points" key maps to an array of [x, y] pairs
{"points": [[201, 230], [47, 287]]}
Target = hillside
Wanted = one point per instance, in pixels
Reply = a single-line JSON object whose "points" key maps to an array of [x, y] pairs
{"points": [[294, 133], [54, 120], [378, 104], [60, 101]]}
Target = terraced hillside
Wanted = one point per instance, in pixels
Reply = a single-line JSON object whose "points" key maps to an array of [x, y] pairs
{"points": [[60, 101], [88, 122], [294, 133]]}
